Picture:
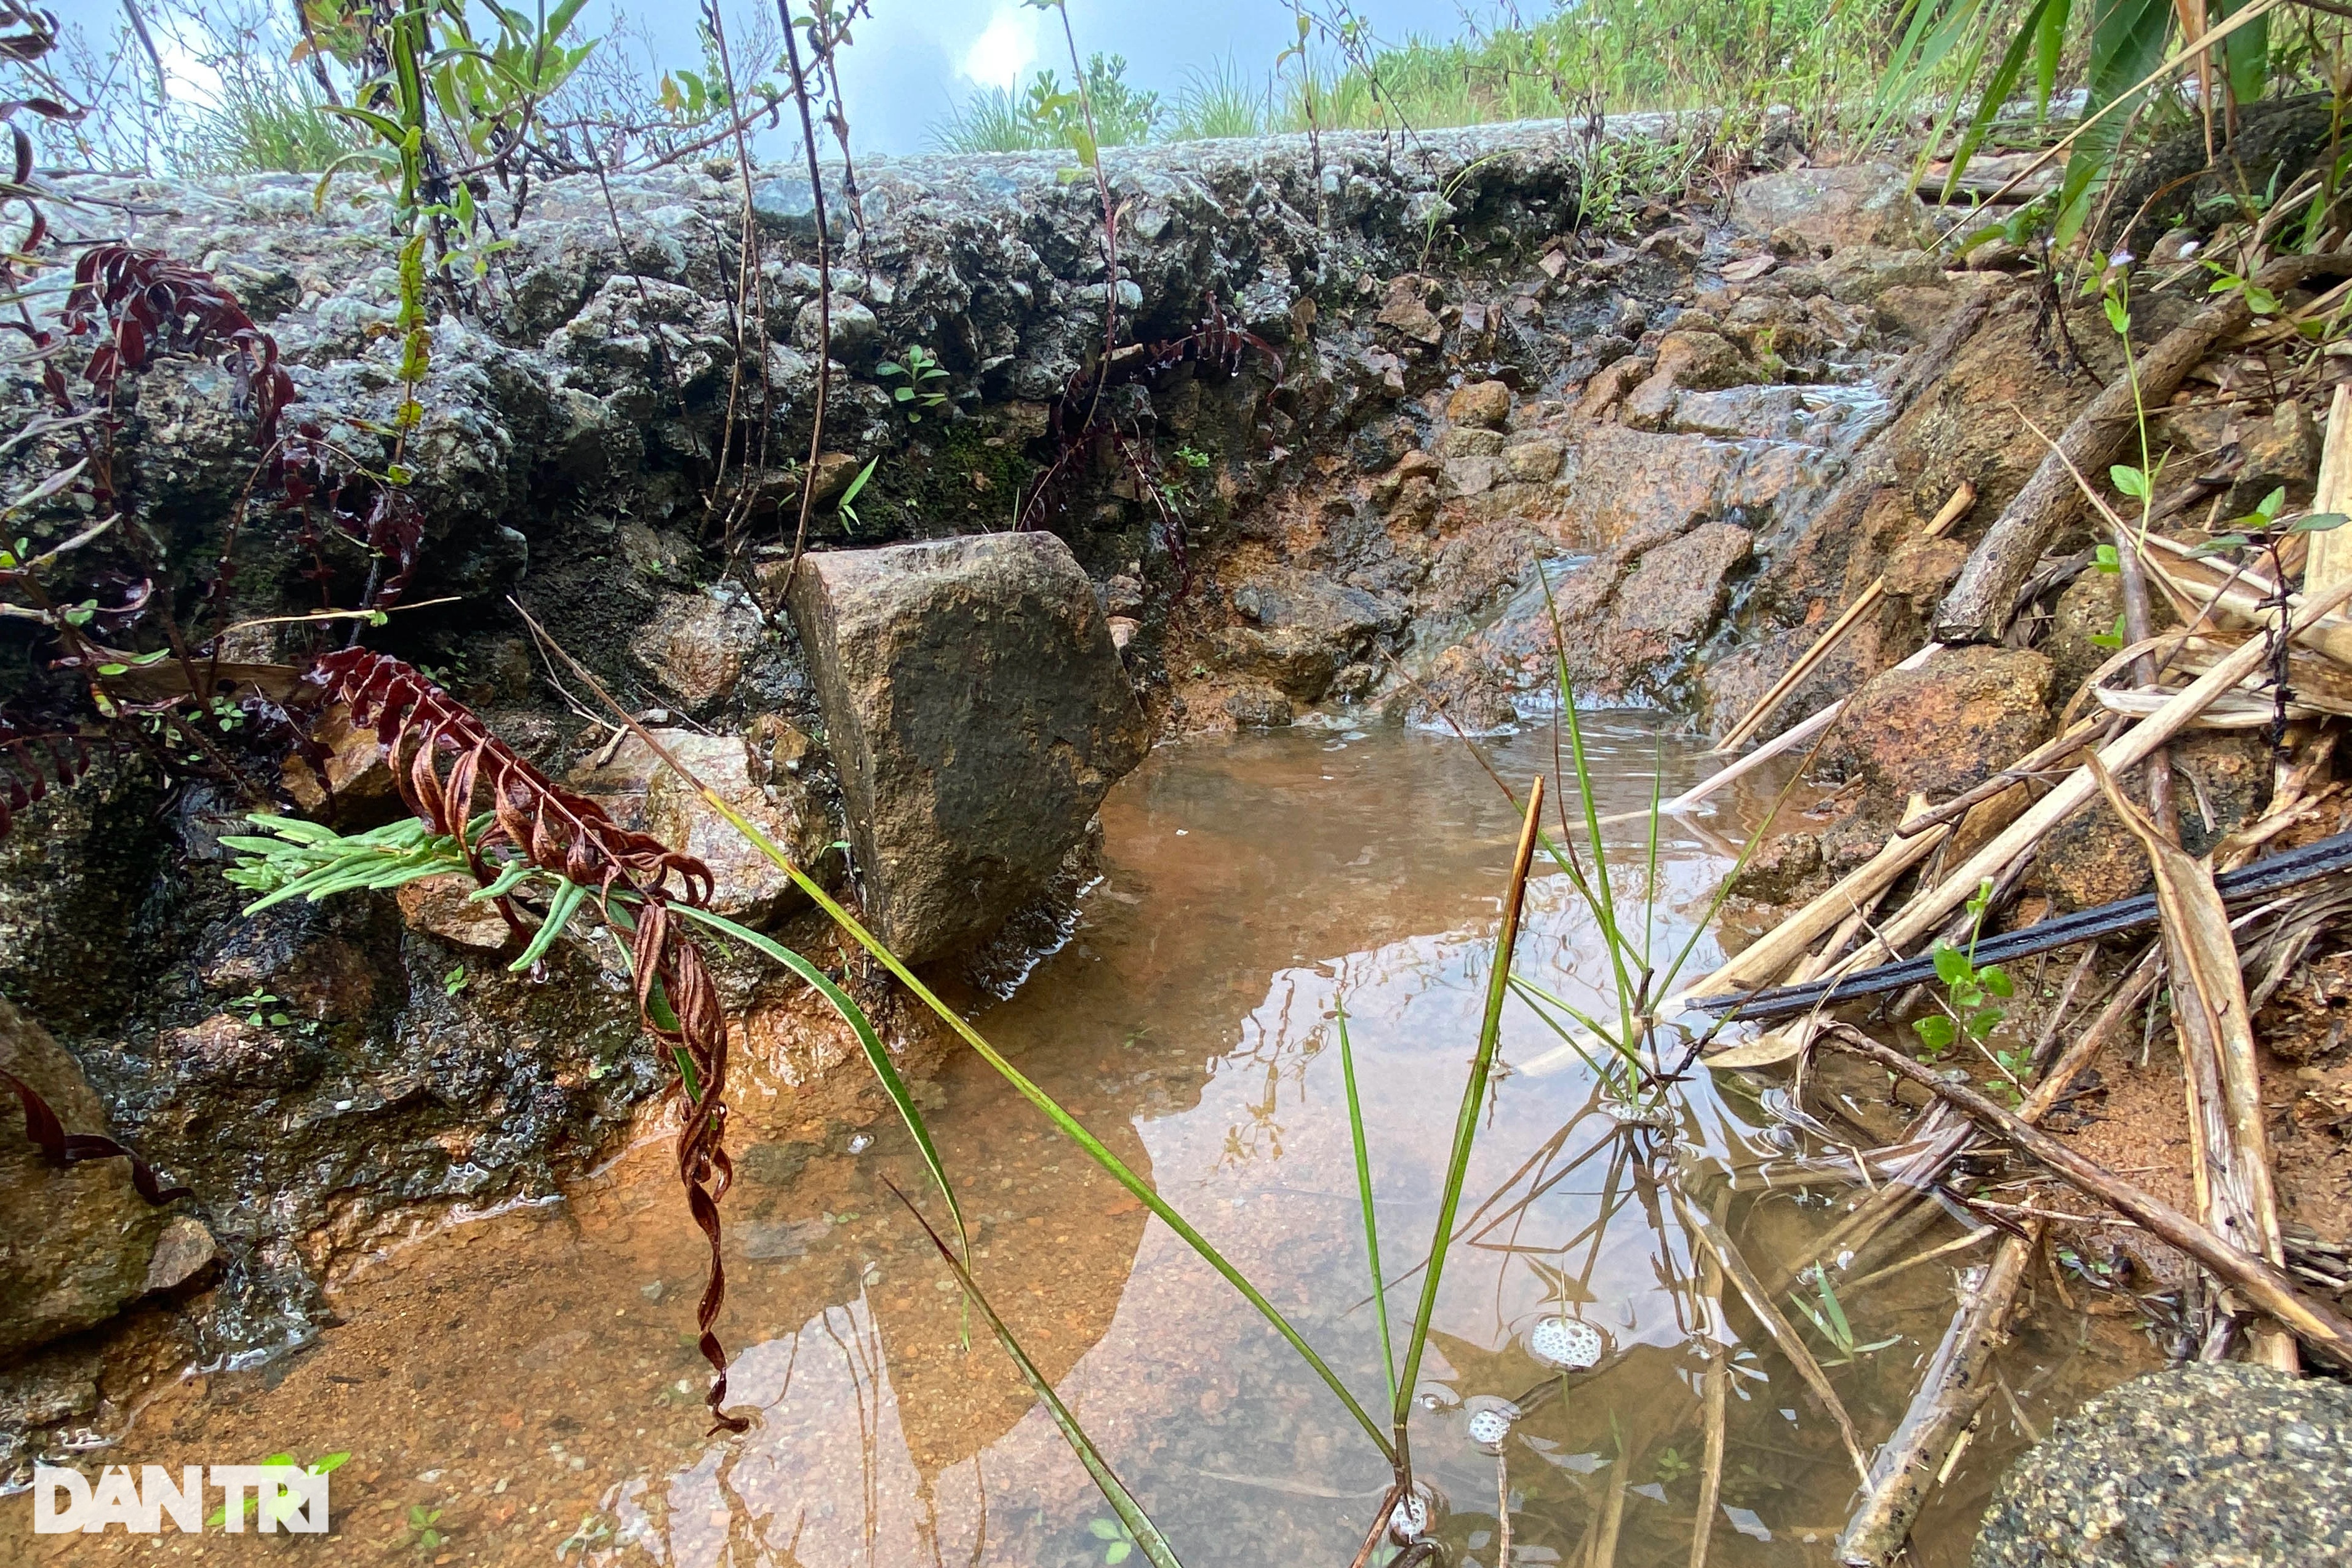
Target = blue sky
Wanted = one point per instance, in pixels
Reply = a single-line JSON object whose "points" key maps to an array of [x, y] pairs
{"points": [[916, 61]]}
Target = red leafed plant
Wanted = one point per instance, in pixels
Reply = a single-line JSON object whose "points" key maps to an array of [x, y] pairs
{"points": [[449, 767], [144, 303]]}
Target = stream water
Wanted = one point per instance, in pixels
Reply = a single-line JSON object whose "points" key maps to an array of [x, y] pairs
{"points": [[525, 1387]]}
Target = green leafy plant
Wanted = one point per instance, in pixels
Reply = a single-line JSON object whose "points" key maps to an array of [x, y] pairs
{"points": [[424, 1528], [259, 1009], [1827, 1315], [918, 373], [1671, 1466], [284, 1507], [1117, 1540], [1970, 1007]]}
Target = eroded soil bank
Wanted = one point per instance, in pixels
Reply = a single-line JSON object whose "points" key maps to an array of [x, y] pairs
{"points": [[1418, 427]]}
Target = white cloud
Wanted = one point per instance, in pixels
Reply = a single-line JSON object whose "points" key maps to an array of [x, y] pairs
{"points": [[1004, 50]]}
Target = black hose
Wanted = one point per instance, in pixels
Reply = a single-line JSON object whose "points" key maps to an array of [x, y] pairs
{"points": [[2325, 857]]}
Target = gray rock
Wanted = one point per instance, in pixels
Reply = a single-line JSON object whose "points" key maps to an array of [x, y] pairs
{"points": [[854, 328], [75, 1242], [2204, 1465], [1301, 627], [1853, 204], [745, 884], [976, 712], [696, 645]]}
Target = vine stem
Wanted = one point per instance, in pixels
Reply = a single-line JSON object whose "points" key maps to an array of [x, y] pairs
{"points": [[823, 294]]}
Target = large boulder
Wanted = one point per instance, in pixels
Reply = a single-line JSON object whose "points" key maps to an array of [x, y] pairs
{"points": [[977, 713], [1945, 727], [1853, 204], [76, 1243], [1300, 629], [2208, 1463]]}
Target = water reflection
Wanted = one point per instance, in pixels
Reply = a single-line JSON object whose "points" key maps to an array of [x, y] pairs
{"points": [[1253, 887]]}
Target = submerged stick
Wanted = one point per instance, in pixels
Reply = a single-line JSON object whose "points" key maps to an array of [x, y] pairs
{"points": [[2319, 1326], [1716, 1391], [1949, 1397], [1760, 1302]]}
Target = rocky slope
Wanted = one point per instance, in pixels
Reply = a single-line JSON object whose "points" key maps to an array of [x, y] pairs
{"points": [[1694, 429]]}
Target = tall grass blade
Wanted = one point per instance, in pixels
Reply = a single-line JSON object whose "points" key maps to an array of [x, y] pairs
{"points": [[1139, 1528], [1474, 1095], [1070, 1125], [1364, 1191], [1604, 900], [876, 1056]]}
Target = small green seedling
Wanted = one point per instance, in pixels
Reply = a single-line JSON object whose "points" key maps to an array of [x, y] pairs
{"points": [[454, 981], [422, 1535], [259, 1009], [1968, 1010], [1831, 1320], [920, 371], [284, 1506], [1671, 1466], [848, 504], [1119, 1544]]}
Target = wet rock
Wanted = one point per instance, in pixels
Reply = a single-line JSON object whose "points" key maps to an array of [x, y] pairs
{"points": [[1675, 594], [854, 328], [1865, 274], [1917, 310], [445, 907], [746, 885], [1782, 868], [833, 472], [1300, 629], [184, 1254], [1257, 707], [1535, 462], [75, 1242], [2209, 1463], [2092, 607], [976, 712], [1405, 312], [1852, 204], [74, 873], [1695, 361], [1953, 722], [696, 645], [355, 777], [1483, 403], [2221, 781], [2281, 452], [1471, 441], [1608, 386], [1920, 570]]}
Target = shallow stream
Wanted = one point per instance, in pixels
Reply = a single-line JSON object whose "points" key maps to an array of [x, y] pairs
{"points": [[532, 1376]]}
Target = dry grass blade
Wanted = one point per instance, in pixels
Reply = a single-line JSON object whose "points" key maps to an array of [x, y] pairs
{"points": [[2208, 1008], [2330, 560], [1931, 906], [1753, 720], [1715, 1393], [2319, 1326], [1949, 1393]]}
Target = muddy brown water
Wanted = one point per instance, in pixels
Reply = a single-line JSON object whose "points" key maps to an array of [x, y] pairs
{"points": [[531, 1376]]}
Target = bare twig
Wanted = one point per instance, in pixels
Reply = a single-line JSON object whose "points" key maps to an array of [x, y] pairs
{"points": [[2321, 1327]]}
